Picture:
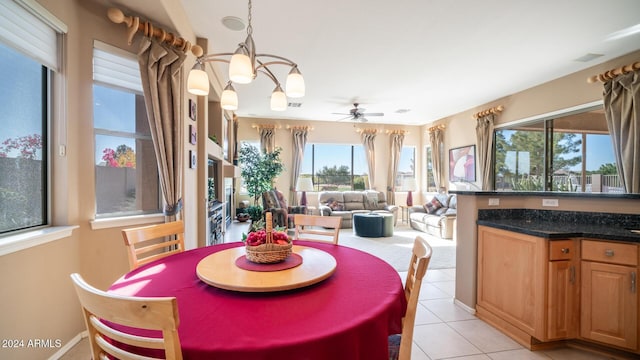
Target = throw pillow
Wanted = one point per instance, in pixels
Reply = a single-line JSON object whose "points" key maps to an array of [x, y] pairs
{"points": [[334, 205], [372, 200], [432, 206]]}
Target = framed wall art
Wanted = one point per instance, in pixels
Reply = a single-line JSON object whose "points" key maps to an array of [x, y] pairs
{"points": [[462, 164], [193, 135], [192, 159], [192, 109]]}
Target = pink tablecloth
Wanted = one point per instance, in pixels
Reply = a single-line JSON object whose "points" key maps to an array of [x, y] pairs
{"points": [[347, 316]]}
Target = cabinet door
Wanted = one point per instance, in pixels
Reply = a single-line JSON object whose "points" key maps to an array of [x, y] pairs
{"points": [[512, 278], [562, 296], [609, 304]]}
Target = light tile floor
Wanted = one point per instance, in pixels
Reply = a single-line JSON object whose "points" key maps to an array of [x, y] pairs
{"points": [[443, 330]]}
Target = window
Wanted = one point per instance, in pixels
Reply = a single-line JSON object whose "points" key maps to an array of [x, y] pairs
{"points": [[335, 166], [126, 172], [23, 148], [430, 180], [406, 168], [29, 54], [567, 153]]}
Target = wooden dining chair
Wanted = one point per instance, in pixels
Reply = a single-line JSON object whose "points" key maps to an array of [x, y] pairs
{"points": [[103, 310], [152, 242], [400, 344], [317, 228]]}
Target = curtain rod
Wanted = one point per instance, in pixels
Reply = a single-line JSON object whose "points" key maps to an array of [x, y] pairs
{"points": [[265, 126], [394, 132], [367, 131], [436, 127], [493, 110], [608, 75], [302, 127], [134, 25]]}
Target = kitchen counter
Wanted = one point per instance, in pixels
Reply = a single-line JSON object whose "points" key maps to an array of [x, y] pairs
{"points": [[552, 224]]}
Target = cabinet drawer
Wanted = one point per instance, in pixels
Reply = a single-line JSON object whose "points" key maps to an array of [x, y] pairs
{"points": [[561, 249], [610, 252]]}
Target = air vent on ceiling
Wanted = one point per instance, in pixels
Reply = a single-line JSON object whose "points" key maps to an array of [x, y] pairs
{"points": [[402, 111], [294, 104], [588, 57]]}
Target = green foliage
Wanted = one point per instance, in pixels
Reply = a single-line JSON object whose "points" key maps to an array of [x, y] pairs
{"points": [[528, 183], [608, 169], [335, 175], [255, 212], [259, 170], [211, 189], [358, 183]]}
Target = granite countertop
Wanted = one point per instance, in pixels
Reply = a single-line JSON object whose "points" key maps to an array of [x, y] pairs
{"points": [[552, 225]]}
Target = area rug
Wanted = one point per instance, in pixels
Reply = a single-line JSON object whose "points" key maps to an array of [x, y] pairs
{"points": [[396, 249]]}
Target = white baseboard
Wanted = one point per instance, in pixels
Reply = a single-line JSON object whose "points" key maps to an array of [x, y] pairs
{"points": [[69, 345], [464, 306]]}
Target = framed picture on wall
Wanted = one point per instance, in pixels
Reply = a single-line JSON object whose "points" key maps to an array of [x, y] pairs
{"points": [[462, 164], [192, 109], [193, 135], [192, 159]]}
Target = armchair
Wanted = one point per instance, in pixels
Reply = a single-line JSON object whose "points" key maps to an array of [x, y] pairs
{"points": [[273, 201]]}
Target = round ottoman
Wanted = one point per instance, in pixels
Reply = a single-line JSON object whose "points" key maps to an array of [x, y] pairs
{"points": [[373, 225]]}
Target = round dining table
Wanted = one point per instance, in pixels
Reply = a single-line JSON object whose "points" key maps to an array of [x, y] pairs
{"points": [[347, 315]]}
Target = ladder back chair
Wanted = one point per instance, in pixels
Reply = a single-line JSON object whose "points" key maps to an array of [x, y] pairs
{"points": [[102, 311], [148, 243], [400, 344], [317, 228]]}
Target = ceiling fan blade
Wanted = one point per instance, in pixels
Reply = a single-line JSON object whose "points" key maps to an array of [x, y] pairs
{"points": [[373, 114], [345, 118], [363, 119]]}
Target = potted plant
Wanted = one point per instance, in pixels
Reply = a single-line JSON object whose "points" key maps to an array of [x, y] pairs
{"points": [[259, 170]]}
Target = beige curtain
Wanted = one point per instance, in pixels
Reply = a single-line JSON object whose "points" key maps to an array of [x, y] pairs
{"points": [[484, 134], [162, 76], [622, 110], [394, 161], [368, 142], [299, 142], [267, 139], [437, 146]]}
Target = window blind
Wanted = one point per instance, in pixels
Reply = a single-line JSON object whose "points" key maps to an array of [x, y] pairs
{"points": [[115, 67], [29, 28]]}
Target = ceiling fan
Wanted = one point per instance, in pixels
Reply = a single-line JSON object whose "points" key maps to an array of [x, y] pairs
{"points": [[358, 114]]}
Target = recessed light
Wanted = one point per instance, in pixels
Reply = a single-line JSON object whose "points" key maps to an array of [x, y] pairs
{"points": [[233, 23]]}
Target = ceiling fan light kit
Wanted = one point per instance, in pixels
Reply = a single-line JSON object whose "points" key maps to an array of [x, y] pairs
{"points": [[358, 114], [244, 66]]}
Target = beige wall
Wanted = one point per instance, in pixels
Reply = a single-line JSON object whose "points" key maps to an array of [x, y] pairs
{"points": [[37, 297]]}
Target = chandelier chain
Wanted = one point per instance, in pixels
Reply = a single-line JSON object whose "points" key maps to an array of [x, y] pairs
{"points": [[249, 27]]}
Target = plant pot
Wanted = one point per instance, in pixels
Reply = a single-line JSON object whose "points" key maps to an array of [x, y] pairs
{"points": [[242, 217]]}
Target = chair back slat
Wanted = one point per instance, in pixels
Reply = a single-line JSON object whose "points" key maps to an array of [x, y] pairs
{"points": [[317, 228], [102, 311], [420, 257], [148, 243]]}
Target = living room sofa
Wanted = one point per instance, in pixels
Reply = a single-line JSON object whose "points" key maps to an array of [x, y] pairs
{"points": [[436, 217], [347, 203]]}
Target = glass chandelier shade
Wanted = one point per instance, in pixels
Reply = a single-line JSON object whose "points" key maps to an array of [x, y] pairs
{"points": [[295, 84], [278, 99], [240, 67], [229, 98], [198, 81]]}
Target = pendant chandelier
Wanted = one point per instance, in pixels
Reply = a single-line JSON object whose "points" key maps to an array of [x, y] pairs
{"points": [[244, 66]]}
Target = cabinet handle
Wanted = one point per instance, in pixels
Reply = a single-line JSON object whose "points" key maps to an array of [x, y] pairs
{"points": [[572, 274], [608, 252], [564, 250], [633, 281]]}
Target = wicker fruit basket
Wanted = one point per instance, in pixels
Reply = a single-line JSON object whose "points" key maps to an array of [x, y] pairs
{"points": [[271, 250]]}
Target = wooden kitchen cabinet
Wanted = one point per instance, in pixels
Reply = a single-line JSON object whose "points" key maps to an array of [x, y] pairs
{"points": [[609, 295], [527, 285]]}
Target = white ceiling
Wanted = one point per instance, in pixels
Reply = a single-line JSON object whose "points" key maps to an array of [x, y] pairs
{"points": [[434, 57]]}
